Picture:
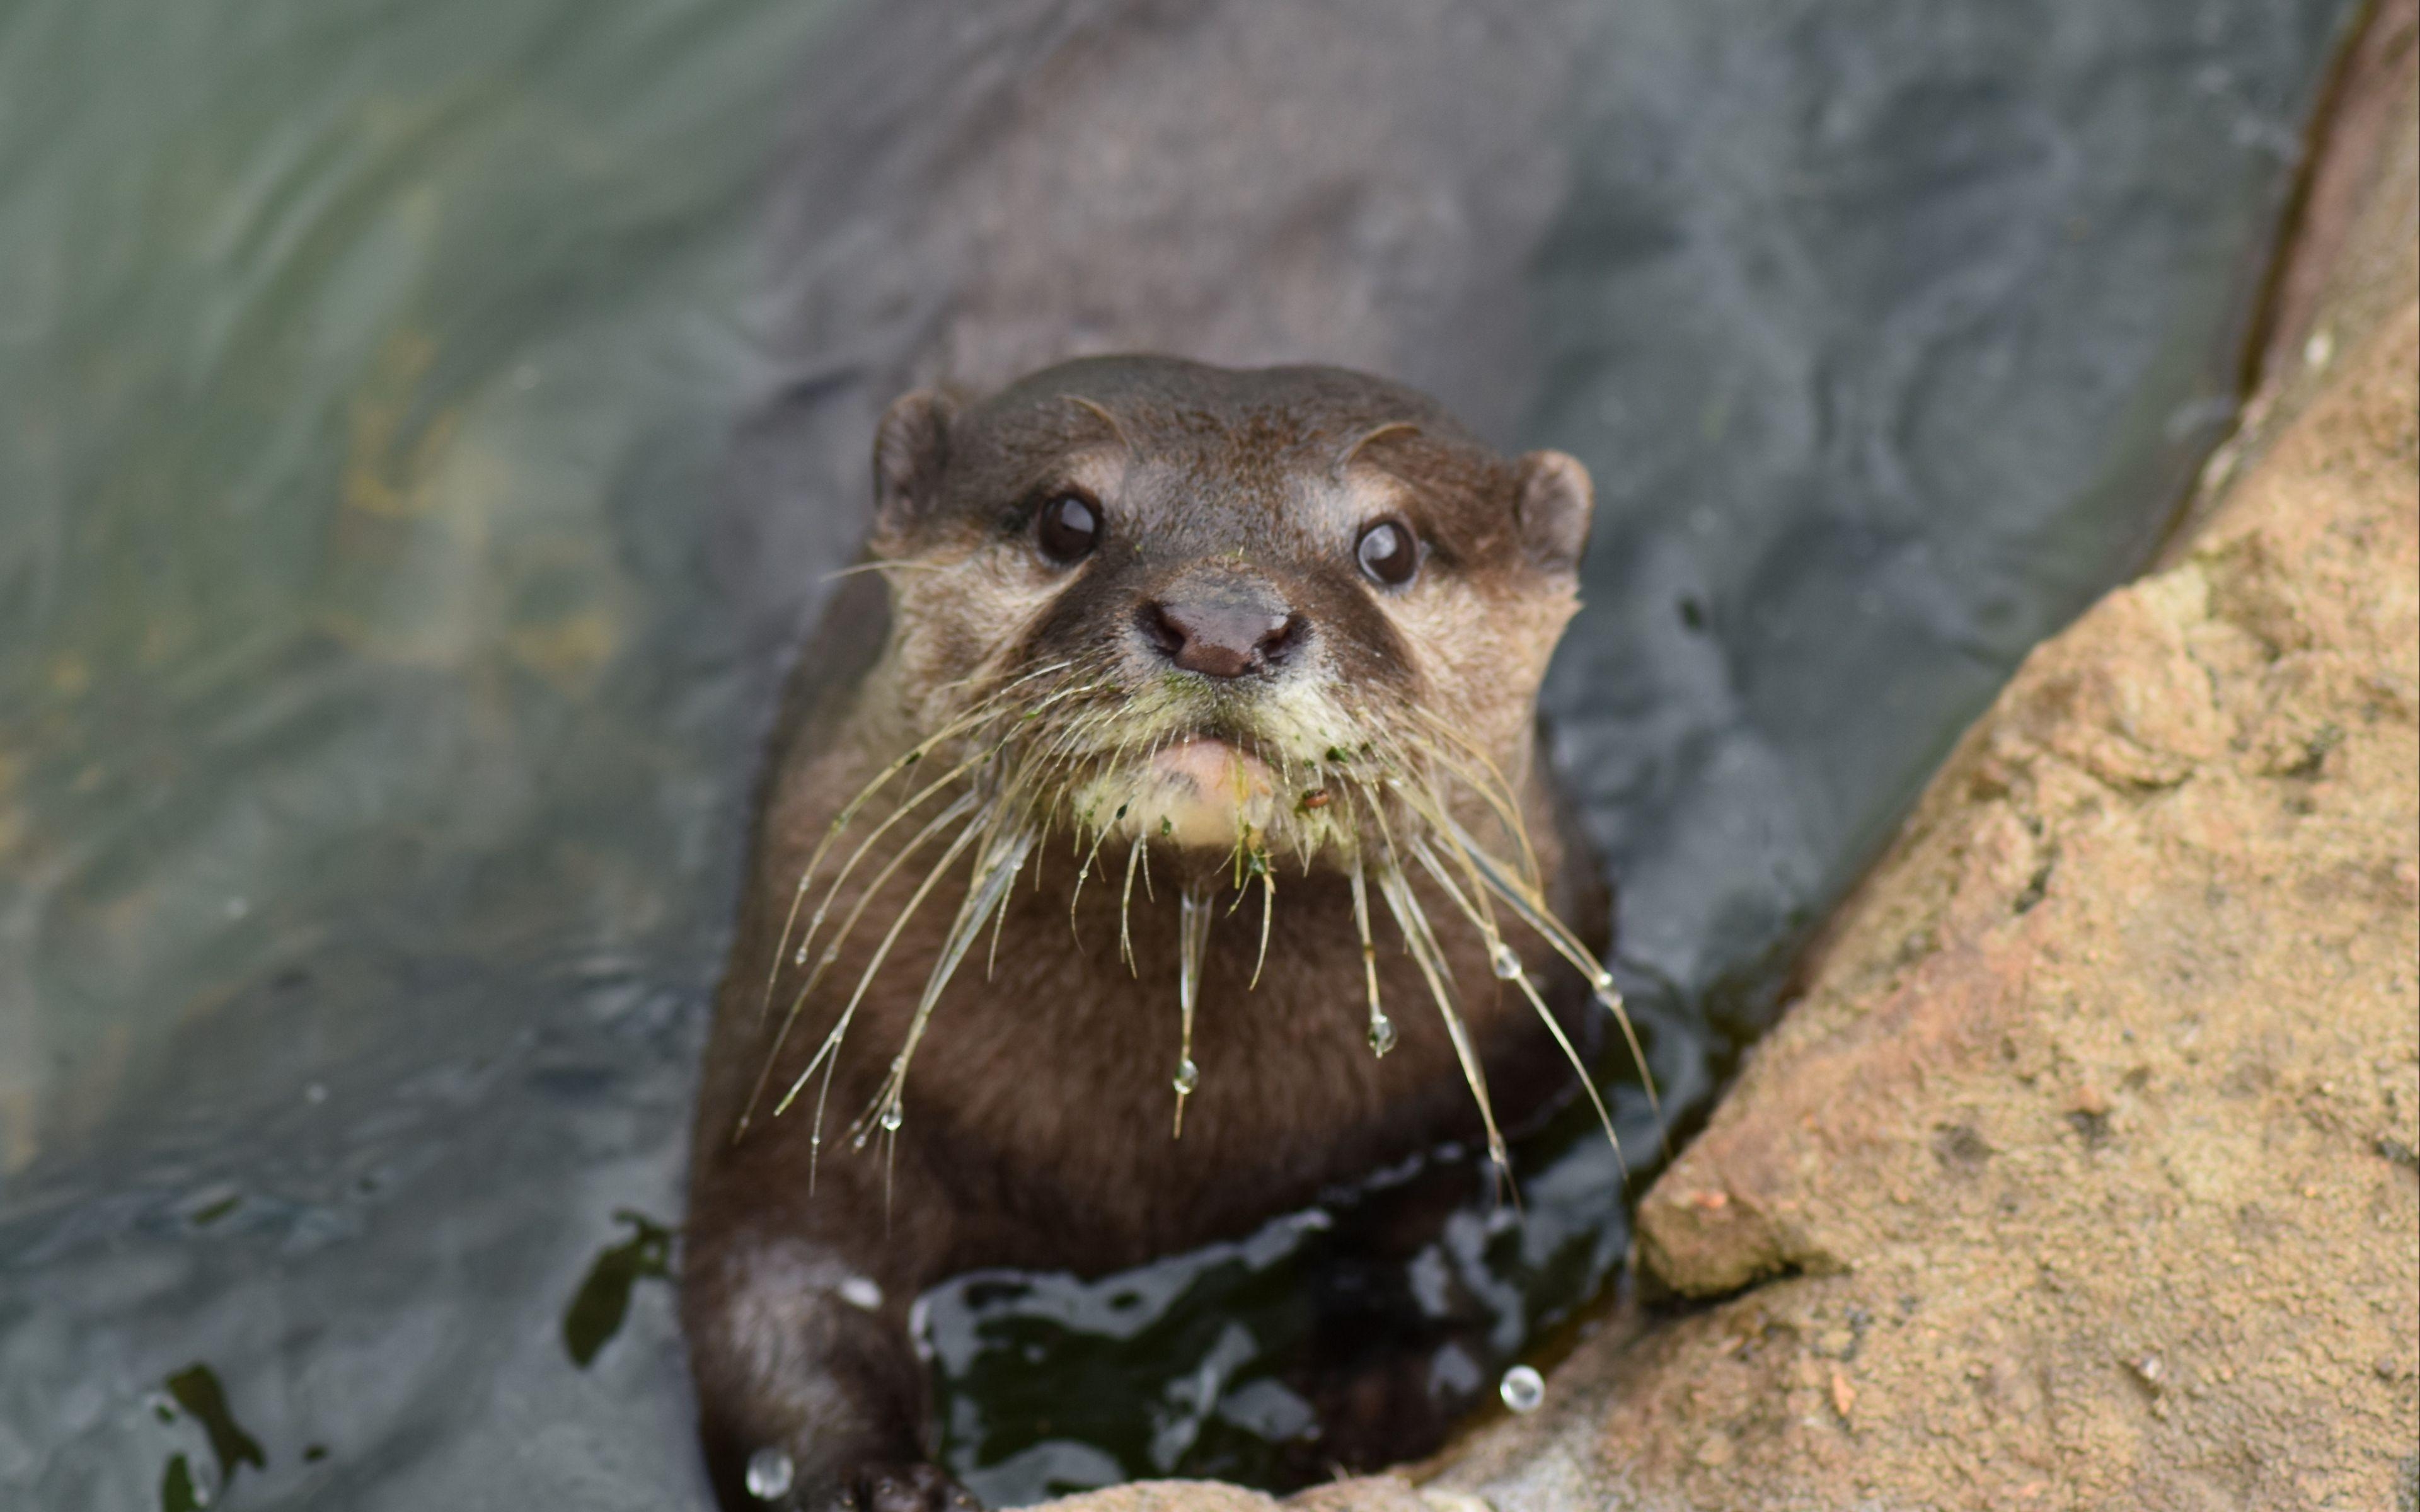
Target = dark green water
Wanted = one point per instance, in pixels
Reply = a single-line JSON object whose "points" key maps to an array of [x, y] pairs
{"points": [[376, 714]]}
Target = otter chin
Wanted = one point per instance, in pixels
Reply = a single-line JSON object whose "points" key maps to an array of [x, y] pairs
{"points": [[1199, 793], [1154, 838]]}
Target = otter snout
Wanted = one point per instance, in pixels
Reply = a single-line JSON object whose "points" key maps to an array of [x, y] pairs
{"points": [[1225, 630]]}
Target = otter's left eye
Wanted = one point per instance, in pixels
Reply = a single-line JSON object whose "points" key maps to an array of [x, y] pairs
{"points": [[1068, 527], [1387, 553]]}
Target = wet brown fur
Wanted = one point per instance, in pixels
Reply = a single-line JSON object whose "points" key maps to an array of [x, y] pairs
{"points": [[1037, 1113]]}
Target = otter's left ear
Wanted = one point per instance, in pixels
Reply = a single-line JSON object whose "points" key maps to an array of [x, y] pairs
{"points": [[1552, 501]]}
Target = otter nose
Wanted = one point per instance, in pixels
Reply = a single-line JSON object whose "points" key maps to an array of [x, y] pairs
{"points": [[1221, 635]]}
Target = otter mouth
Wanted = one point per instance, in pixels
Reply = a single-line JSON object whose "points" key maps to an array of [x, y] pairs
{"points": [[1229, 777], [1201, 792]]}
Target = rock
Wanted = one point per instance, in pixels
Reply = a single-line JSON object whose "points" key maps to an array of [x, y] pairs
{"points": [[1375, 1493], [2080, 1176]]}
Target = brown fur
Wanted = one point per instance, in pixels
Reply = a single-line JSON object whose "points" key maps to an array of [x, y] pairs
{"points": [[1037, 1114]]}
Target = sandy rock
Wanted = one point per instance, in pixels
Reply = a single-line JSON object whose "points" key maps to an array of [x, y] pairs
{"points": [[1171, 1496], [1375, 1493]]}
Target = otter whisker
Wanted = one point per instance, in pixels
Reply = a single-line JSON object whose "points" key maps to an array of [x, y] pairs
{"points": [[1041, 830], [1193, 934], [840, 878], [892, 565], [957, 809], [890, 1170], [1100, 833], [828, 1053], [1496, 792], [1524, 900], [985, 754], [840, 1029], [1000, 915], [1509, 967], [1268, 906], [1532, 912], [1126, 903], [848, 811], [1488, 783], [1397, 892], [990, 668], [1419, 942], [994, 874], [1250, 860], [1492, 875], [1382, 1031]]}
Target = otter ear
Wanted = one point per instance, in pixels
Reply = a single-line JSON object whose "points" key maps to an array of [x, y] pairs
{"points": [[911, 448], [1552, 501]]}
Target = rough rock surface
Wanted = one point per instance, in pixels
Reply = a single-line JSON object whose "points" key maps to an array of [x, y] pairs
{"points": [[1376, 1493], [2083, 1175]]}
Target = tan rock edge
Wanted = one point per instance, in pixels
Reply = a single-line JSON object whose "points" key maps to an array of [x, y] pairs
{"points": [[2083, 1175]]}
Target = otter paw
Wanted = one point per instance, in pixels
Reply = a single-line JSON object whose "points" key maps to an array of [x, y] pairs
{"points": [[892, 1488]]}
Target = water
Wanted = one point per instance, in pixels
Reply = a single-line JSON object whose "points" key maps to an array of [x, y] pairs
{"points": [[1522, 1390], [1193, 937], [769, 1473], [383, 636]]}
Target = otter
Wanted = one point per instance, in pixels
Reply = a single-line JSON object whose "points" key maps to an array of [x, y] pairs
{"points": [[1153, 837]]}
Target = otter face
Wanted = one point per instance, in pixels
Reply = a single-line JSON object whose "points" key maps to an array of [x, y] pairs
{"points": [[1225, 606]]}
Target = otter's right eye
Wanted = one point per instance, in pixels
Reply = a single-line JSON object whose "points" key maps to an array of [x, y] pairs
{"points": [[1067, 529], [1387, 553]]}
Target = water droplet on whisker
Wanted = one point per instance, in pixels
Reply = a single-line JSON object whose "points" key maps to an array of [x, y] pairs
{"points": [[892, 1118], [1188, 1076], [1382, 1034], [769, 1473], [1522, 1389], [1507, 961]]}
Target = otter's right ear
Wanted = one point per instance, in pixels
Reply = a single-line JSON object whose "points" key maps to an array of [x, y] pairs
{"points": [[1554, 501], [911, 448]]}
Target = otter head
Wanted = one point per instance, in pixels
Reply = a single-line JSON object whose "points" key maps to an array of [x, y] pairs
{"points": [[1236, 613]]}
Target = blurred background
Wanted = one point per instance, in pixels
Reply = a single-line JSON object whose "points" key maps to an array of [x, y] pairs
{"points": [[423, 429]]}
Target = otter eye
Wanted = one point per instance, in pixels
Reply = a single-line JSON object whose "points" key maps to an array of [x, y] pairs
{"points": [[1387, 553], [1068, 527]]}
